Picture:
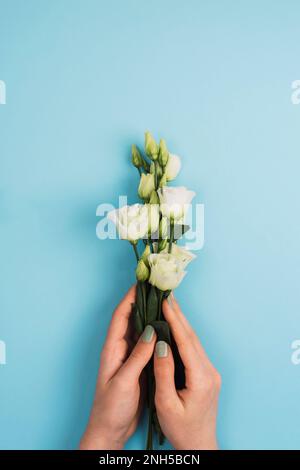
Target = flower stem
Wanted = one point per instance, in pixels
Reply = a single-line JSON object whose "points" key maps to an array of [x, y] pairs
{"points": [[149, 445], [150, 244], [155, 176], [136, 251], [171, 236]]}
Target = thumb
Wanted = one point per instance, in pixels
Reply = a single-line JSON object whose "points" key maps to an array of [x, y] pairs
{"points": [[139, 357], [165, 389]]}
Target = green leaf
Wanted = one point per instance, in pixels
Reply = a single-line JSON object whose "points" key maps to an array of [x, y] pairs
{"points": [[162, 330], [137, 319], [152, 305], [139, 297]]}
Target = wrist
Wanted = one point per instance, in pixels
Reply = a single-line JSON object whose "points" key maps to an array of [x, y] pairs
{"points": [[100, 440]]}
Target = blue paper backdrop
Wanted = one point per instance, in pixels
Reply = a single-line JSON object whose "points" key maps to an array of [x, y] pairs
{"points": [[84, 80]]}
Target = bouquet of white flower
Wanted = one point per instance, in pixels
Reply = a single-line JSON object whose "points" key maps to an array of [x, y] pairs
{"points": [[157, 224]]}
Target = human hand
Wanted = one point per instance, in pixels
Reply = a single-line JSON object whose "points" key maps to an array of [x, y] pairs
{"points": [[117, 403], [187, 417]]}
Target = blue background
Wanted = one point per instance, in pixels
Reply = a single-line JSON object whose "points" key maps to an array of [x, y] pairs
{"points": [[84, 80]]}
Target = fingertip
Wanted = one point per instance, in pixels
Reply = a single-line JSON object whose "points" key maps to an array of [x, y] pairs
{"points": [[163, 356], [128, 299], [148, 335], [140, 355], [131, 293], [161, 349]]}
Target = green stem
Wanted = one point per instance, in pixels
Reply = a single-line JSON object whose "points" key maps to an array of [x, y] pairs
{"points": [[171, 236], [155, 176], [136, 251], [150, 244], [149, 445]]}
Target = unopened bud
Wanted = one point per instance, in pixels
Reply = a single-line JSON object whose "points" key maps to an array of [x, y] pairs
{"points": [[151, 147], [146, 253], [146, 186], [136, 157], [163, 156], [163, 227], [142, 272]]}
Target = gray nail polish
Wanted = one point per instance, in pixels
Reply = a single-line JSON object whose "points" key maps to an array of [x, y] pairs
{"points": [[148, 334], [161, 349]]}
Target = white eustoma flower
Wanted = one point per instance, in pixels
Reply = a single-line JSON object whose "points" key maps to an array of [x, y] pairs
{"points": [[167, 271], [136, 221], [146, 186], [181, 253], [175, 201], [173, 167]]}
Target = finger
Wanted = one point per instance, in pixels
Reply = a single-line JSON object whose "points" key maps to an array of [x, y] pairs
{"points": [[119, 322], [139, 357], [165, 390], [194, 367], [176, 307], [117, 344]]}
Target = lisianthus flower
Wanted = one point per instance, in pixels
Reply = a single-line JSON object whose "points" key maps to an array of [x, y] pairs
{"points": [[146, 186], [136, 221], [181, 253], [174, 201], [166, 272]]}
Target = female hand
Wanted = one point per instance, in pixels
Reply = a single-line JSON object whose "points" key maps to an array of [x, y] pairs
{"points": [[117, 401], [187, 417]]}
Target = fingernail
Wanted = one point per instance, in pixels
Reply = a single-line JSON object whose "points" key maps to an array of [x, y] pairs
{"points": [[161, 349], [148, 334]]}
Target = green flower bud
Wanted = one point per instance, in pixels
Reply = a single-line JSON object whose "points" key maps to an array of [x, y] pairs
{"points": [[146, 253], [136, 157], [142, 272], [173, 167], [163, 156], [146, 186], [151, 147], [154, 199], [163, 227]]}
